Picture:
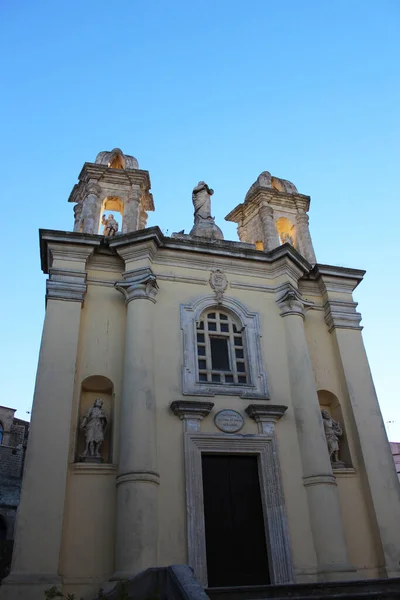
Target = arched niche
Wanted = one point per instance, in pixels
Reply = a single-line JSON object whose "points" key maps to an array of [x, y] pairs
{"points": [[115, 206], [330, 402], [92, 388], [286, 231]]}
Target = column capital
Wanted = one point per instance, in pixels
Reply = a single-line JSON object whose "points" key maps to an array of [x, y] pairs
{"points": [[266, 210], [92, 187], [191, 412], [302, 216], [138, 284], [266, 415], [290, 301]]}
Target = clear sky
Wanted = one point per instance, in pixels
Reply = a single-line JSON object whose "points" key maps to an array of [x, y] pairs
{"points": [[215, 90]]}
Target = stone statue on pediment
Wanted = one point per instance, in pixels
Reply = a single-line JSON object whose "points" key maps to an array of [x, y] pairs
{"points": [[204, 223]]}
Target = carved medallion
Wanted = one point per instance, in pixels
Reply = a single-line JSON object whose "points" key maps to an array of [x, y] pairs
{"points": [[229, 421], [218, 283]]}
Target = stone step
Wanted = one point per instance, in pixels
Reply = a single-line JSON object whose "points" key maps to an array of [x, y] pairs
{"points": [[371, 589]]}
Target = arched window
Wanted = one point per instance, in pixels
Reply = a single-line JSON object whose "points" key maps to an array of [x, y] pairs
{"points": [[221, 349], [1, 433], [222, 353]]}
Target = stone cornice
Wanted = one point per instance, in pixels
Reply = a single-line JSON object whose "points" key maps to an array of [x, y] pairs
{"points": [[191, 409], [265, 412], [108, 176], [341, 315], [336, 279], [273, 197], [76, 245]]}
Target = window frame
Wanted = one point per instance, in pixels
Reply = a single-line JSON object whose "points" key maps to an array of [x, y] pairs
{"points": [[191, 314]]}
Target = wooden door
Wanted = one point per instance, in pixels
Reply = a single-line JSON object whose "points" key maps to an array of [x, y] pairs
{"points": [[234, 522]]}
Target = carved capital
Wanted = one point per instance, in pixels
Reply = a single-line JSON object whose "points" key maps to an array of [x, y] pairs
{"points": [[302, 217], [140, 284], [290, 302], [93, 188], [266, 415], [66, 284], [191, 412], [266, 211]]}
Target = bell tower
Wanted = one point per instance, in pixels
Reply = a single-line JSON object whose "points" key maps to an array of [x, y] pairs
{"points": [[274, 213], [114, 182]]}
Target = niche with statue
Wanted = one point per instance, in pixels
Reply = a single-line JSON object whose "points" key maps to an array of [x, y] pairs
{"points": [[334, 429], [94, 439]]}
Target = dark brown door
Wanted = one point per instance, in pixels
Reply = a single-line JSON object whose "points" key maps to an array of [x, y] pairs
{"points": [[234, 522]]}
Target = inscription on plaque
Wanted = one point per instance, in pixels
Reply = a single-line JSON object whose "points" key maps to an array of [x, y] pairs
{"points": [[229, 421]]}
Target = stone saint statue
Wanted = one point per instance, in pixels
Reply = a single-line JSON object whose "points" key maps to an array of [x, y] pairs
{"points": [[201, 198], [110, 226], [286, 238], [94, 424], [333, 432], [204, 225]]}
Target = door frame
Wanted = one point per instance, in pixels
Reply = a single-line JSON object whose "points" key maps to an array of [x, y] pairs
{"points": [[275, 521]]}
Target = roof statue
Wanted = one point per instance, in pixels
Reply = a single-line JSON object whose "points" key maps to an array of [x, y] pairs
{"points": [[116, 159], [204, 223]]}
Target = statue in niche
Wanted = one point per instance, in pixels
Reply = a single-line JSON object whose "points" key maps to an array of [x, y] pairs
{"points": [[333, 432], [110, 226], [94, 423], [286, 238]]}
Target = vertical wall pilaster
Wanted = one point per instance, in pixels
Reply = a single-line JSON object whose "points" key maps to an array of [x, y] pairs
{"points": [[138, 478], [323, 500], [132, 209], [343, 322], [41, 509]]}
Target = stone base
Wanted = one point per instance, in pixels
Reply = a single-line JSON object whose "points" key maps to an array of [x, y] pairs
{"points": [[338, 465], [206, 228], [91, 459]]}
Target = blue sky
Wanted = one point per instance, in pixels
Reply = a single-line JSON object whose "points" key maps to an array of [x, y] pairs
{"points": [[218, 91]]}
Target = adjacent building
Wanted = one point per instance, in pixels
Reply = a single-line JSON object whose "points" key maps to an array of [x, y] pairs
{"points": [[200, 401], [13, 440]]}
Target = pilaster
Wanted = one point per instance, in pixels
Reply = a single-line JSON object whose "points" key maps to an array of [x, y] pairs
{"points": [[138, 478], [304, 237], [271, 239], [320, 484]]}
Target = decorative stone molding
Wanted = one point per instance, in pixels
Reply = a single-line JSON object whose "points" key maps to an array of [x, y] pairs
{"points": [[66, 284], [218, 283], [342, 315], [93, 188], [276, 529], [190, 314], [290, 301], [191, 412], [138, 284], [319, 480], [148, 476], [266, 415]]}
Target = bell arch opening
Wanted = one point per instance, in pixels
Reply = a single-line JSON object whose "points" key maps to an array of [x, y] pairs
{"points": [[112, 206], [286, 231]]}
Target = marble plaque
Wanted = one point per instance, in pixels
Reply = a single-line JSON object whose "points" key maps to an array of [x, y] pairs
{"points": [[229, 421]]}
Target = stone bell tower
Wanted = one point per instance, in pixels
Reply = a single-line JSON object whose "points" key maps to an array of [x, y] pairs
{"points": [[274, 213], [114, 182]]}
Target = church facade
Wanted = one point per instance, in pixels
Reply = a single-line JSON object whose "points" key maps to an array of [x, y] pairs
{"points": [[200, 401]]}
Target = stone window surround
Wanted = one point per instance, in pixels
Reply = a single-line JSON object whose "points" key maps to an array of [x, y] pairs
{"points": [[190, 314]]}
